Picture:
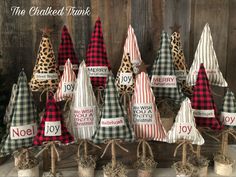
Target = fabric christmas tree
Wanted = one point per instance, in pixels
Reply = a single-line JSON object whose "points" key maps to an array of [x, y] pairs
{"points": [[125, 76], [96, 57], [205, 54], [184, 126], [66, 51], [228, 113], [84, 109], [181, 69], [45, 74], [163, 79], [52, 127], [113, 122], [23, 117], [66, 85], [145, 115], [205, 111]]}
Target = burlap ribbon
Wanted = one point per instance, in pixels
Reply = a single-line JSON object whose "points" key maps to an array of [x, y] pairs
{"points": [[82, 142]]}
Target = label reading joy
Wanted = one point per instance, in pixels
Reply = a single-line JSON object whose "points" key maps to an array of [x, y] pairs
{"points": [[98, 71], [74, 67], [22, 132], [52, 128], [68, 87], [228, 118], [143, 113], [204, 113], [126, 79], [163, 81], [46, 76], [113, 122], [180, 75], [85, 116], [184, 129]]}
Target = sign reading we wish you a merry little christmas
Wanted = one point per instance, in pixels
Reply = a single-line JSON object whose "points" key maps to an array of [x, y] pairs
{"points": [[52, 128], [85, 116], [143, 113], [22, 132], [164, 81]]}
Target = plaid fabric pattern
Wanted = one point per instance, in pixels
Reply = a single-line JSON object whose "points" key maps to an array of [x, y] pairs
{"points": [[163, 65], [96, 54], [113, 109], [66, 50], [23, 113], [202, 99], [52, 113]]}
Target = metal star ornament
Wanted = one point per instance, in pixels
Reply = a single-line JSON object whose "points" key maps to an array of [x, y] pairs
{"points": [[175, 28]]}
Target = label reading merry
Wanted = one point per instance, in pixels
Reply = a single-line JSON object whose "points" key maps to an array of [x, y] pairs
{"points": [[22, 132], [184, 129], [180, 75], [114, 122], [98, 71], [74, 67], [228, 118], [204, 113], [46, 76], [85, 116], [68, 87], [52, 128], [143, 113], [163, 81], [126, 78]]}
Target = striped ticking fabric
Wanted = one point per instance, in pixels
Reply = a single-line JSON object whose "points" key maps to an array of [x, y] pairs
{"points": [[184, 126], [205, 54], [143, 107], [84, 106], [66, 84]]}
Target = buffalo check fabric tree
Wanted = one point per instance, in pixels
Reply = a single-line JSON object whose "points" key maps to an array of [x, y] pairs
{"points": [[84, 110], [145, 115], [113, 122], [205, 54], [96, 57], [205, 111], [228, 112], [66, 51], [23, 125], [52, 127], [163, 78], [66, 85], [184, 127]]}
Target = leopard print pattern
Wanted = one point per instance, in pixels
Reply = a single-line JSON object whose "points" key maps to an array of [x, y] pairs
{"points": [[125, 67], [179, 61], [46, 63]]}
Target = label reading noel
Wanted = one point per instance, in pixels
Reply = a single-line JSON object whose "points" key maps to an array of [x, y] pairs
{"points": [[180, 75], [113, 122], [98, 71], [52, 128], [204, 113], [126, 79], [85, 116], [74, 67], [143, 113], [163, 81], [185, 129], [228, 118], [68, 87], [46, 76], [22, 132]]}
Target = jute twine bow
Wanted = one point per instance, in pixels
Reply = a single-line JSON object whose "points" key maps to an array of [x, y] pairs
{"points": [[99, 95], [47, 89], [47, 146], [181, 143], [67, 103], [144, 143], [206, 130], [83, 142], [230, 131]]}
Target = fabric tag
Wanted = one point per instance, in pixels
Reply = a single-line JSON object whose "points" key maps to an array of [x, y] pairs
{"points": [[163, 81], [98, 71], [126, 79], [85, 116], [52, 128], [74, 67], [185, 129], [228, 118], [181, 75], [68, 87], [204, 113], [46, 76], [112, 122], [23, 132], [143, 113]]}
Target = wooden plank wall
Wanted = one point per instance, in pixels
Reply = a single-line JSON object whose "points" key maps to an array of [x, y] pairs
{"points": [[20, 37]]}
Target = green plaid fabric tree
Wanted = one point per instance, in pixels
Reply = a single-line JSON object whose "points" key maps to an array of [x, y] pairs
{"points": [[163, 78], [113, 122]]}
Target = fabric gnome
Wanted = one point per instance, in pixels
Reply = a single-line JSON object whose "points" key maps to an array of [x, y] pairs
{"points": [[67, 83], [205, 54], [66, 51]]}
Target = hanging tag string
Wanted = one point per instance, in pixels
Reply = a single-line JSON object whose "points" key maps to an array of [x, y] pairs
{"points": [[181, 143]]}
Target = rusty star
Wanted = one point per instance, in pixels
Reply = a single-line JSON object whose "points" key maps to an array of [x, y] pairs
{"points": [[46, 31], [175, 28], [142, 67]]}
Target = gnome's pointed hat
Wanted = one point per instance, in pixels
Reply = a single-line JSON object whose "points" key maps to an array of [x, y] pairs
{"points": [[163, 79], [66, 50], [205, 111], [23, 118], [228, 114], [96, 57], [45, 74], [113, 123], [125, 75], [66, 85], [83, 105], [181, 69], [184, 126], [52, 127], [205, 54], [145, 116]]}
